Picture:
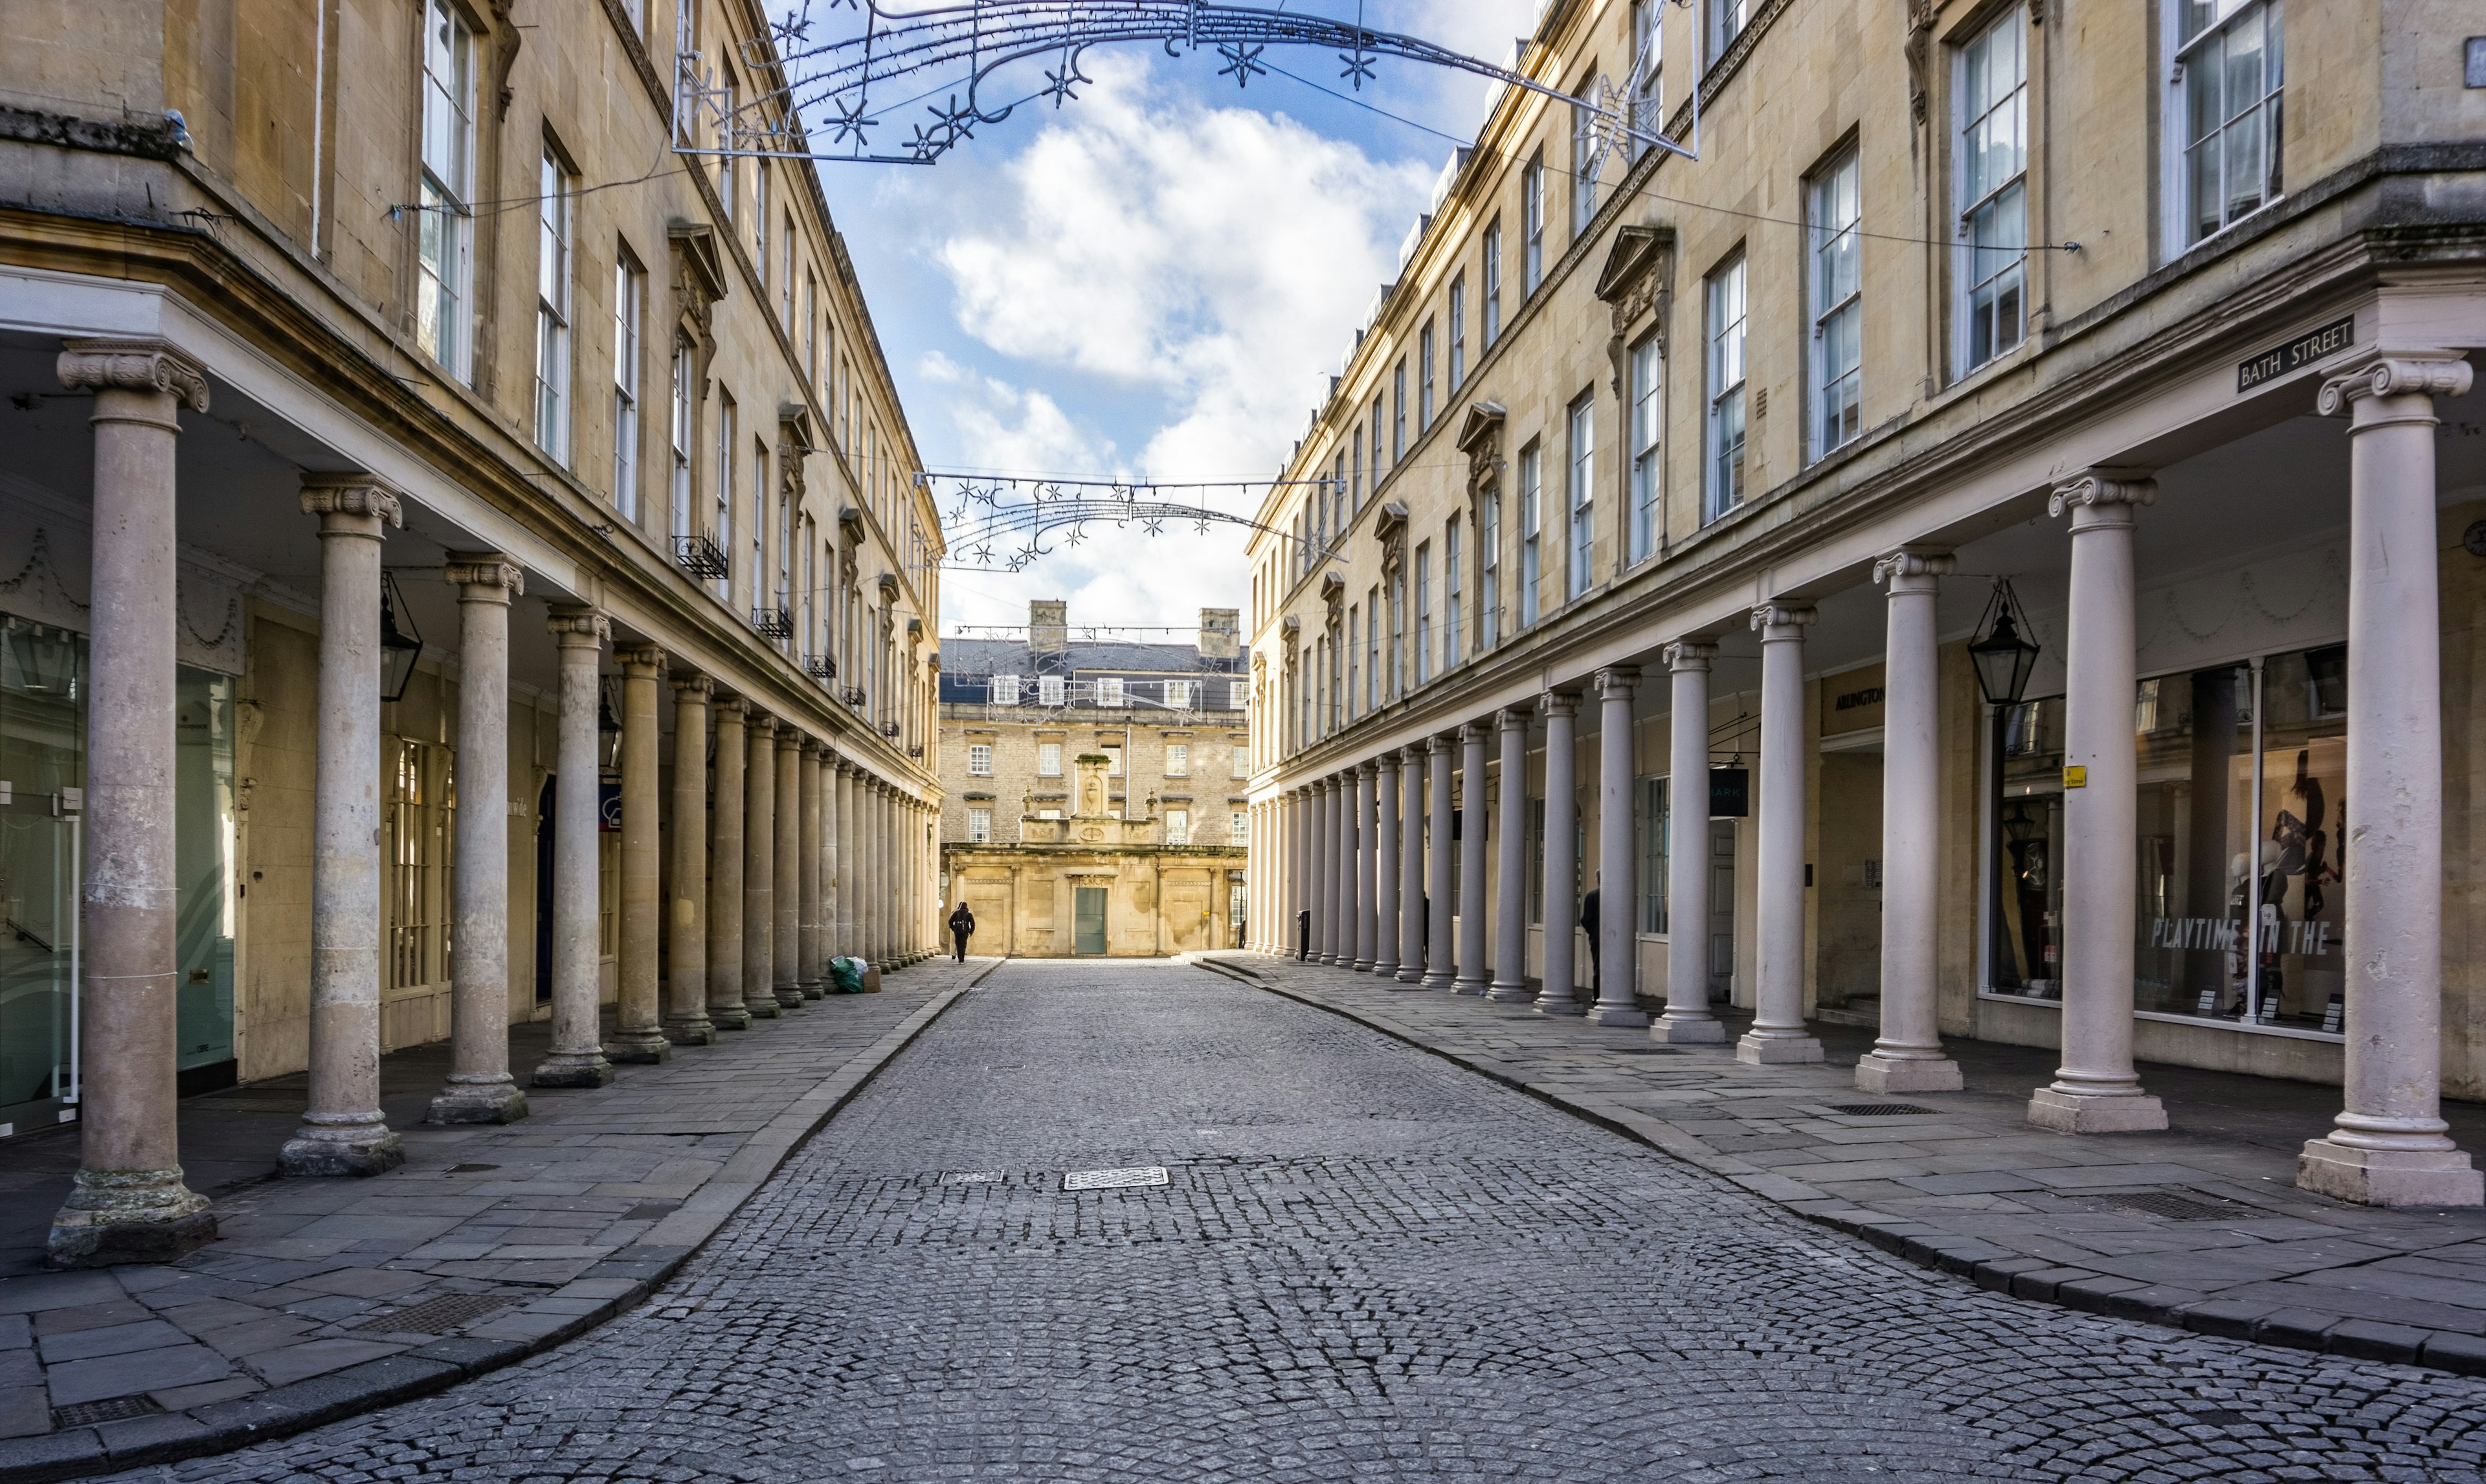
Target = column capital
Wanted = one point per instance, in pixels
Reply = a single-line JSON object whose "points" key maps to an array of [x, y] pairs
{"points": [[758, 720], [1779, 623], [132, 366], [1511, 719], [2407, 373], [1440, 742], [727, 707], [640, 661], [2100, 490], [352, 494], [1387, 762], [1688, 654], [689, 685], [1912, 568], [1557, 703], [1478, 731], [484, 577], [1619, 680], [578, 627]]}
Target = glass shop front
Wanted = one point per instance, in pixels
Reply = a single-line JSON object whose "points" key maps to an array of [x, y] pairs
{"points": [[2241, 818], [43, 779]]}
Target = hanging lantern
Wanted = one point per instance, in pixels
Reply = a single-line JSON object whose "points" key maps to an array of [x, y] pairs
{"points": [[608, 730], [44, 658], [401, 642], [2003, 653]]}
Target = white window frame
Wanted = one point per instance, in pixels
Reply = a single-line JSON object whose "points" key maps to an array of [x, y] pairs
{"points": [[2227, 19], [1003, 690], [445, 247], [1489, 569], [1177, 826], [1238, 827], [1988, 271], [1580, 491], [1727, 21], [1425, 378], [1532, 533], [1177, 695], [1109, 692], [678, 516], [980, 759], [629, 305], [1836, 286], [1049, 690], [1453, 600], [1492, 282], [1649, 72], [1398, 413], [1647, 447], [1588, 161], [1725, 306], [980, 827], [1048, 755], [1238, 695], [553, 273], [1532, 225], [1423, 612], [1178, 759], [1458, 313], [1372, 648]]}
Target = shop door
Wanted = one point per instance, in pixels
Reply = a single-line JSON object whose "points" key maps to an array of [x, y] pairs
{"points": [[1721, 909], [39, 929], [1088, 912]]}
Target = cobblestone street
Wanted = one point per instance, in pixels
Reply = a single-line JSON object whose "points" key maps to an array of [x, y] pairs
{"points": [[1367, 1263]]}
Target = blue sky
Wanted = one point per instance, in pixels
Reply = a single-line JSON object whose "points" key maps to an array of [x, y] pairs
{"points": [[1151, 281]]}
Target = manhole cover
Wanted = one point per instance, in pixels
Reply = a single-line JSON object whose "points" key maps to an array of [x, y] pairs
{"points": [[470, 1169], [119, 1408], [1114, 1179], [971, 1177], [2180, 1208], [1877, 1110], [440, 1315]]}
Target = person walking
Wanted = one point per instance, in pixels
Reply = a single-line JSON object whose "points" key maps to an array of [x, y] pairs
{"points": [[1304, 935], [963, 926]]}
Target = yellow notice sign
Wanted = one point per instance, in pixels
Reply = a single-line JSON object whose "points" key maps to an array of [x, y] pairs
{"points": [[2076, 778]]}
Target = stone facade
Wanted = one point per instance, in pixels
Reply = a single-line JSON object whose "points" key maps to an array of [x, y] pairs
{"points": [[1745, 440]]}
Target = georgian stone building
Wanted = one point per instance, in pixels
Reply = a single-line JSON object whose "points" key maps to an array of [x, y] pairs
{"points": [[1093, 789], [459, 563], [1667, 498]]}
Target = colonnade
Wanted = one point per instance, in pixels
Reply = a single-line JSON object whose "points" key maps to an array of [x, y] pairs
{"points": [[1350, 838], [782, 853]]}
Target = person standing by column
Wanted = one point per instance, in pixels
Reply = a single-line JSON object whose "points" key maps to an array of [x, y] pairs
{"points": [[343, 1133], [1617, 975], [1908, 1055], [2097, 1090], [2390, 1145], [687, 1017], [1779, 1034], [128, 1201], [576, 1057], [1560, 994], [724, 1008], [1510, 894], [759, 864], [481, 1088], [639, 1035], [1688, 1020]]}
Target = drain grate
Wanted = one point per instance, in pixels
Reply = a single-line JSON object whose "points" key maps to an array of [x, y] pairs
{"points": [[1114, 1179], [2180, 1208], [971, 1177], [440, 1315], [1877, 1110], [119, 1408]]}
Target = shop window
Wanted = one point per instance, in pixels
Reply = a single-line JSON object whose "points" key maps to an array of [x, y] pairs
{"points": [[419, 813], [1650, 821], [2240, 901]]}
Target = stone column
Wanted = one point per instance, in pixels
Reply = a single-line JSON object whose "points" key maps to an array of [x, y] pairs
{"points": [[1511, 883], [638, 1033], [688, 1022], [1688, 1019], [1908, 1055], [724, 1008], [875, 950], [2389, 1145], [850, 879], [1778, 1032], [1470, 977], [481, 1088], [1559, 995], [576, 1056], [1386, 895], [759, 864], [343, 1133], [129, 1203], [831, 857], [1317, 864], [1360, 867], [1438, 972], [807, 958], [1412, 898], [1618, 855], [2096, 1090], [785, 942]]}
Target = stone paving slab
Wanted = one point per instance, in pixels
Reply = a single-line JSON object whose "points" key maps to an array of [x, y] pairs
{"points": [[493, 1241], [1968, 1187]]}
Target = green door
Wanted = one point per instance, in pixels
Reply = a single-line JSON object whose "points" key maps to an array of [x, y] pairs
{"points": [[1088, 913]]}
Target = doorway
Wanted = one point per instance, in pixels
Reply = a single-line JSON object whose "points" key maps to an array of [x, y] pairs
{"points": [[1721, 909], [1088, 919]]}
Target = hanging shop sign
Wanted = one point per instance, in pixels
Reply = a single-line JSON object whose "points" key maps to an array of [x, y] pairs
{"points": [[608, 808], [1730, 794]]}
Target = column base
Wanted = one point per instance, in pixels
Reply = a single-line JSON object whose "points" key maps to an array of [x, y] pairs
{"points": [[690, 1031], [813, 989], [639, 1048], [122, 1216], [1629, 1016], [574, 1069], [1878, 1073], [354, 1144], [1410, 975], [1565, 1004], [763, 1008], [1758, 1050], [1439, 979], [728, 1017], [1501, 993], [789, 996], [1673, 1030], [2389, 1177], [1469, 986], [498, 1101], [2090, 1113]]}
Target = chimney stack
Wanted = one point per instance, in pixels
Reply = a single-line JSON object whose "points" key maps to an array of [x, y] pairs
{"points": [[1221, 632]]}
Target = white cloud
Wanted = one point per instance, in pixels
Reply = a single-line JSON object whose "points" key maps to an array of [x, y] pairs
{"points": [[999, 426]]}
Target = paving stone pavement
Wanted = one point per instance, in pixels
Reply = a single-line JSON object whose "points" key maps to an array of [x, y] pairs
{"points": [[1366, 1263], [490, 1243], [2200, 1226]]}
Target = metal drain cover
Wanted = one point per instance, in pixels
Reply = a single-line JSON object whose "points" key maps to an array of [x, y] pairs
{"points": [[117, 1409], [971, 1177], [1877, 1110], [1114, 1179], [2181, 1208], [440, 1315]]}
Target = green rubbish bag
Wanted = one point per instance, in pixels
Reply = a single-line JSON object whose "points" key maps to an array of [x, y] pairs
{"points": [[845, 976]]}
